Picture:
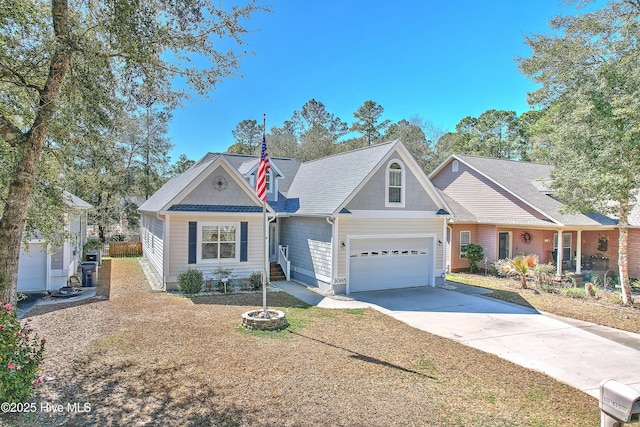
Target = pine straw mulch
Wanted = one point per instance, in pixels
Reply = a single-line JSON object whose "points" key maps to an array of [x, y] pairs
{"points": [[142, 358], [603, 309]]}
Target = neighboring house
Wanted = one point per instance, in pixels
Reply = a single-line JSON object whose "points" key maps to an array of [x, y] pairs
{"points": [[44, 268], [362, 220], [507, 207]]}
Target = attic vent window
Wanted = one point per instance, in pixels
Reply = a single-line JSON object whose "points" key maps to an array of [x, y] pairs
{"points": [[454, 166]]}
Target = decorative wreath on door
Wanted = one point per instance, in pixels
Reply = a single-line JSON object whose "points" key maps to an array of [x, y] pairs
{"points": [[526, 237]]}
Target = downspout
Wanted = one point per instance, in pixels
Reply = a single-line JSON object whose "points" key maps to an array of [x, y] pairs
{"points": [[334, 250]]}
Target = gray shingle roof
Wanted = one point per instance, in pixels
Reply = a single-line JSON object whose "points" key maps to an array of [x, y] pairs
{"points": [[319, 187], [73, 201], [215, 208], [323, 185], [460, 214], [529, 182], [159, 200]]}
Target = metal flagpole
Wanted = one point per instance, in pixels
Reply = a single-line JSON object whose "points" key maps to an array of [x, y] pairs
{"points": [[264, 233]]}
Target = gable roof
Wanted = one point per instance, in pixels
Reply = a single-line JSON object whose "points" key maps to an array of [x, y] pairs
{"points": [[75, 202], [528, 182], [322, 186], [318, 187], [170, 193]]}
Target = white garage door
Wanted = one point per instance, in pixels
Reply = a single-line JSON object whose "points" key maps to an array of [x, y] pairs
{"points": [[32, 268], [389, 263]]}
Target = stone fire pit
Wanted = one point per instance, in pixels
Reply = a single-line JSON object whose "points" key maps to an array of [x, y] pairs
{"points": [[258, 320]]}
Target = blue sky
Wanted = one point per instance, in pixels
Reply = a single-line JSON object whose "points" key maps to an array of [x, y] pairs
{"points": [[441, 60]]}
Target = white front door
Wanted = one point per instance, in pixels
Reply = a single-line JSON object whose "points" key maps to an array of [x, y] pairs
{"points": [[389, 263]]}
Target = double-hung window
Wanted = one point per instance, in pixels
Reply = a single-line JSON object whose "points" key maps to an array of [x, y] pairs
{"points": [[395, 185], [218, 241], [465, 239]]}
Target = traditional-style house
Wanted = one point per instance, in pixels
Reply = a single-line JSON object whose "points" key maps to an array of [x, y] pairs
{"points": [[362, 220], [43, 268], [509, 209]]}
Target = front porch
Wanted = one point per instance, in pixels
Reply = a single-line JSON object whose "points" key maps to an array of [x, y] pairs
{"points": [[586, 253]]}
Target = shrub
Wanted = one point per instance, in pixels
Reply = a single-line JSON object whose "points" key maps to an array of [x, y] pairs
{"points": [[543, 275], [190, 281], [255, 280], [578, 293], [521, 266], [20, 357], [473, 254], [93, 244]]}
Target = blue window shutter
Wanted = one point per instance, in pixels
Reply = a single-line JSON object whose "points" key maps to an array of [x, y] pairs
{"points": [[193, 241], [244, 232]]}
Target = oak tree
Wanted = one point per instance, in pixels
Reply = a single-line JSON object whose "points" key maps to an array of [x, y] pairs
{"points": [[67, 66], [590, 92]]}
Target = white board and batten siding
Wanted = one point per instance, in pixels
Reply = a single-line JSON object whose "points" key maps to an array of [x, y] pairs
{"points": [[389, 254], [179, 247]]}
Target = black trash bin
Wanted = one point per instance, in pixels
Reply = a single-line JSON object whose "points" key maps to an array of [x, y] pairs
{"points": [[94, 255], [89, 273]]}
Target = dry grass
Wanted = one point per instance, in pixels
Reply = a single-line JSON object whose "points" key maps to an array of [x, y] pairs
{"points": [[143, 358], [601, 309]]}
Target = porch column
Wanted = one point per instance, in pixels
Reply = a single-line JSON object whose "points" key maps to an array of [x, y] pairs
{"points": [[579, 252], [559, 254]]}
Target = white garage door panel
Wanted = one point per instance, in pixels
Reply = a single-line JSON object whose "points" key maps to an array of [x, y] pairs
{"points": [[376, 264], [32, 268]]}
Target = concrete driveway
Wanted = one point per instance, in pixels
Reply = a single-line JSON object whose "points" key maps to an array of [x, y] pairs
{"points": [[577, 353]]}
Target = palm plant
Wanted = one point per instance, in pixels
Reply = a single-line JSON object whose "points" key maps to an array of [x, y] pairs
{"points": [[521, 266]]}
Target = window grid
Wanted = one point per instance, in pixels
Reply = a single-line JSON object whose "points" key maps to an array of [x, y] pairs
{"points": [[218, 242], [395, 183], [465, 239]]}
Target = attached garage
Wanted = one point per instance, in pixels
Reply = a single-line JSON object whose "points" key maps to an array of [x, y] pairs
{"points": [[32, 269], [383, 262]]}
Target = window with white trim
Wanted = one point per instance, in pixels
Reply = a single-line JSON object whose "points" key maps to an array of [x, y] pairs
{"points": [[454, 166], [267, 180], [218, 241], [465, 239], [395, 184]]}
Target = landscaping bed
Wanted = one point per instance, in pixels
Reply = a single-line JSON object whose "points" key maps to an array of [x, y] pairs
{"points": [[603, 308], [149, 358]]}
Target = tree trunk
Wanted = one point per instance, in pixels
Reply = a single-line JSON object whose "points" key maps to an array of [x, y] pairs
{"points": [[623, 244], [18, 200]]}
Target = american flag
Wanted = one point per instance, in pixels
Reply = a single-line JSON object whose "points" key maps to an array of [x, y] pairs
{"points": [[263, 167]]}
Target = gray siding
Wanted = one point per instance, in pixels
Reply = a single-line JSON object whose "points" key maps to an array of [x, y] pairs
{"points": [[209, 194], [309, 241], [373, 195]]}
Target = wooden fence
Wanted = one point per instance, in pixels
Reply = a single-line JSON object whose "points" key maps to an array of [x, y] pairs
{"points": [[125, 249]]}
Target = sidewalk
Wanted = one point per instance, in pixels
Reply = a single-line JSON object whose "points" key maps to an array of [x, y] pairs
{"points": [[577, 353]]}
